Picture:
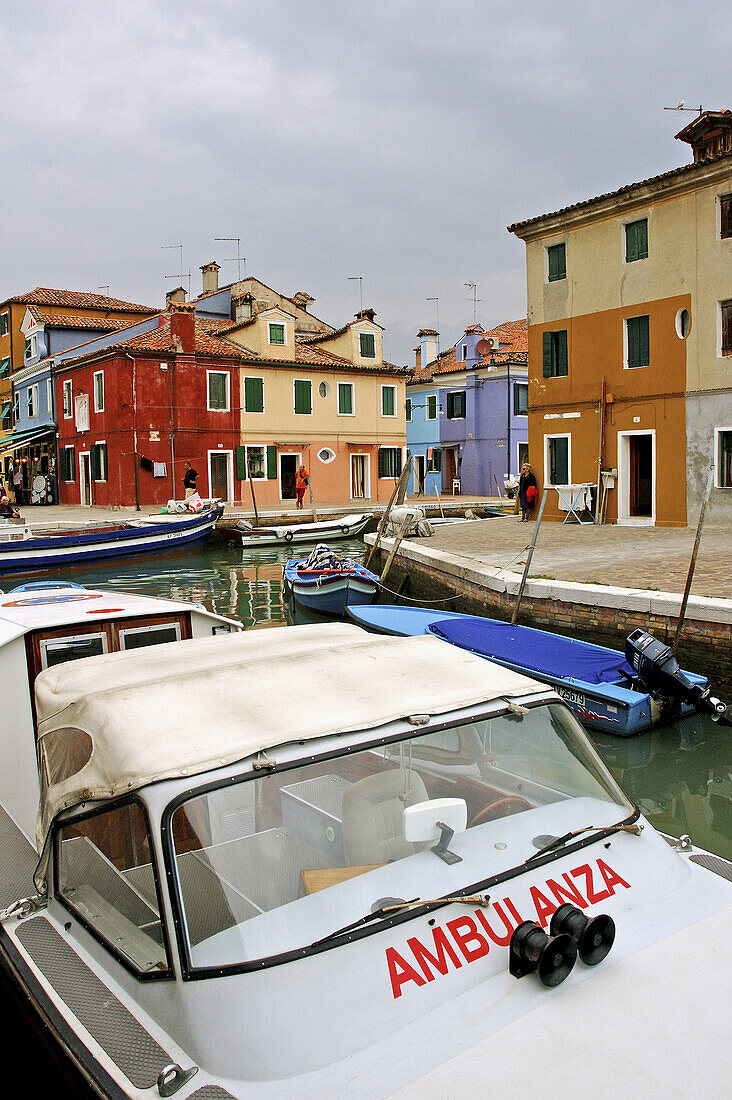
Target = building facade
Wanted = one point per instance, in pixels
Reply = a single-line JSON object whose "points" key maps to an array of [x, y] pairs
{"points": [[630, 340], [467, 408]]}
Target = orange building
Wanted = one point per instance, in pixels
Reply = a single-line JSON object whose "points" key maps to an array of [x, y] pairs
{"points": [[630, 341]]}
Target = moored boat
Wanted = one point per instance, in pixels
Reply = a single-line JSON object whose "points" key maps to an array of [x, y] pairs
{"points": [[325, 583], [597, 683], [343, 527], [368, 896], [30, 549]]}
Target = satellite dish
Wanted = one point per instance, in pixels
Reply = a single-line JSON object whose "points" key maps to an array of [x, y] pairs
{"points": [[483, 347]]}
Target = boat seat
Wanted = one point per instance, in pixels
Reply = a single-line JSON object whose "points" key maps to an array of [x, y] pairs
{"points": [[372, 817]]}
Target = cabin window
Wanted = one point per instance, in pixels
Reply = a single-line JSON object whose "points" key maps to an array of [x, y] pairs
{"points": [[56, 651], [135, 637], [271, 864], [105, 876]]}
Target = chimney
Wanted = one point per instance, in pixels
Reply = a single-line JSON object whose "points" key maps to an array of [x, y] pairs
{"points": [[183, 327], [428, 338], [709, 135], [366, 315], [177, 295], [302, 299], [210, 277], [418, 358]]}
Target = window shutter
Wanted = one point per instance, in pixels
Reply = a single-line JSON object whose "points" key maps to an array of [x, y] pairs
{"points": [[432, 407], [253, 395], [562, 362], [241, 463], [547, 354], [96, 463], [397, 462], [557, 256], [726, 328], [217, 391], [382, 462], [725, 204], [345, 398], [437, 460], [387, 401], [409, 410], [63, 464], [303, 402], [271, 463]]}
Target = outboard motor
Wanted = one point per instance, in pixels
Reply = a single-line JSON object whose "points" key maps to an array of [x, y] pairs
{"points": [[658, 670]]}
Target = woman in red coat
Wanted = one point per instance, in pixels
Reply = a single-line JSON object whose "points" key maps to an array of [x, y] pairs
{"points": [[301, 484], [528, 491]]}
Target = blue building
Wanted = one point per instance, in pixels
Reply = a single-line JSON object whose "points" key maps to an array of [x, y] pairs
{"points": [[467, 427]]}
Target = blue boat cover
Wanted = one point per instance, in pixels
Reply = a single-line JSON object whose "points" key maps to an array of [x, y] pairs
{"points": [[536, 650]]}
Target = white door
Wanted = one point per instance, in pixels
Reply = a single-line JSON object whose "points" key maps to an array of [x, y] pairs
{"points": [[85, 482]]}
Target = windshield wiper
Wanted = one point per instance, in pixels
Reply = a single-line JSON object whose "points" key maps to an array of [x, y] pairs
{"points": [[384, 911], [559, 841], [377, 914]]}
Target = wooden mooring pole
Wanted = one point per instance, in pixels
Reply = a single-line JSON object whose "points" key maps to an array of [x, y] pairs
{"points": [[401, 486], [529, 556], [692, 563]]}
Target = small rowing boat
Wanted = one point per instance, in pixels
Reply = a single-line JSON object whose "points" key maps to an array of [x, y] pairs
{"points": [[30, 549], [328, 584], [343, 527], [596, 682]]}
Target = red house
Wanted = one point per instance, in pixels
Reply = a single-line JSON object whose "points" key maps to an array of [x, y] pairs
{"points": [[133, 412]]}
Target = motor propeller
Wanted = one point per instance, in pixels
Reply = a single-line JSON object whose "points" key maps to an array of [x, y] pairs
{"points": [[658, 670]]}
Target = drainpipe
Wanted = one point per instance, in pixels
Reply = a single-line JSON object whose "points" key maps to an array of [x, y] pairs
{"points": [[174, 364], [508, 417], [134, 428]]}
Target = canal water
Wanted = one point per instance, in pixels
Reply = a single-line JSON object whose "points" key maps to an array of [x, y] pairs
{"points": [[680, 775]]}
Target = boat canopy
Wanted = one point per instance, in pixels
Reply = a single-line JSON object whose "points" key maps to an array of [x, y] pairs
{"points": [[117, 722]]}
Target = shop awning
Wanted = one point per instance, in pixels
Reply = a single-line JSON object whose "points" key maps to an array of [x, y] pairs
{"points": [[20, 439]]}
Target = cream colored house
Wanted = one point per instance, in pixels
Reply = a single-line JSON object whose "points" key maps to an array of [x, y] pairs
{"points": [[630, 338]]}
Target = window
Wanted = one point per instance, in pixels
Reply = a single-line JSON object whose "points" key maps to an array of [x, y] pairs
{"points": [[99, 391], [258, 461], [557, 459], [520, 399], [254, 395], [323, 389], [27, 353], [456, 405], [637, 341], [390, 461], [345, 398], [367, 345], [636, 240], [218, 391], [16, 406], [67, 463], [683, 324], [724, 458], [33, 400], [5, 367], [725, 309], [555, 354], [105, 876], [465, 351], [98, 459], [408, 407], [725, 218], [49, 396], [434, 460], [6, 415], [432, 407], [4, 323], [388, 400], [303, 397], [557, 262], [135, 637], [326, 455], [68, 406], [276, 333], [58, 651]]}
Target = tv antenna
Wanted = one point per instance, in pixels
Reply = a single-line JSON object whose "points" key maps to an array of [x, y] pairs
{"points": [[476, 299], [352, 279], [239, 258], [180, 248], [437, 311], [681, 106]]}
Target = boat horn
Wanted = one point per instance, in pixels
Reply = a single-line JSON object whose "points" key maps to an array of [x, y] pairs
{"points": [[594, 938], [530, 949]]}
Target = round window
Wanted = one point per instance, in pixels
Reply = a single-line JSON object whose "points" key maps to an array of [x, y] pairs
{"points": [[683, 324], [323, 389], [326, 455]]}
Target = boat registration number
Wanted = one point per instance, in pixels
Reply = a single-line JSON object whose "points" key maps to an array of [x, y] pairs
{"points": [[571, 696]]}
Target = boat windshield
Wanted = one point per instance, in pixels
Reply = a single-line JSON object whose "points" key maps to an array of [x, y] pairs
{"points": [[275, 863]]}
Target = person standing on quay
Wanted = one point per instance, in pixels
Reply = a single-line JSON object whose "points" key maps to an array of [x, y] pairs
{"points": [[301, 484], [190, 477], [528, 491]]}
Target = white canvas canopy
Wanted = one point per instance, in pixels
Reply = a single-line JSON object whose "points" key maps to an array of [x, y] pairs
{"points": [[117, 722]]}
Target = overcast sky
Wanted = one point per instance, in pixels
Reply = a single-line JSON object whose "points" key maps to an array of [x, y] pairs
{"points": [[391, 139]]}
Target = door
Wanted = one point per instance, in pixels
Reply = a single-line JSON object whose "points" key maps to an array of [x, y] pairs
{"points": [[450, 472], [641, 475], [288, 469], [358, 477], [419, 474], [85, 494], [218, 474]]}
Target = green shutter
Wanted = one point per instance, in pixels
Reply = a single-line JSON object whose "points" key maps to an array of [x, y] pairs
{"points": [[409, 410], [638, 342], [432, 407], [96, 463], [636, 240], [303, 397], [437, 460], [387, 400], [4, 368], [217, 391], [345, 398], [271, 463], [562, 361], [253, 395], [241, 463], [557, 256], [547, 354], [367, 345]]}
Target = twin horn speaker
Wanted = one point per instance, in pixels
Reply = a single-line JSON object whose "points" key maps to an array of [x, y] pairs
{"points": [[552, 956]]}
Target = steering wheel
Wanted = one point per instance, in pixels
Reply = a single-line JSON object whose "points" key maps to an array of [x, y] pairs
{"points": [[501, 807]]}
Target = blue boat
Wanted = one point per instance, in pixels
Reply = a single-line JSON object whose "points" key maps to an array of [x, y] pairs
{"points": [[28, 550], [327, 584], [597, 683]]}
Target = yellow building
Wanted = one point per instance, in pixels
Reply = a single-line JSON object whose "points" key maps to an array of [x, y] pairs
{"points": [[630, 339]]}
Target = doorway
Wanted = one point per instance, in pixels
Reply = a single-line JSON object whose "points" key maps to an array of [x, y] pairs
{"points": [[451, 468], [636, 478], [419, 474], [219, 465], [359, 477], [288, 469], [85, 494]]}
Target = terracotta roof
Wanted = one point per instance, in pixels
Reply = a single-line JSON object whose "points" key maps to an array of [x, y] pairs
{"points": [[106, 324], [686, 169], [44, 296], [514, 348]]}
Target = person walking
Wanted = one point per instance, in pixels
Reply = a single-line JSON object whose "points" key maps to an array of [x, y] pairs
{"points": [[18, 484], [301, 483], [190, 477], [528, 491]]}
